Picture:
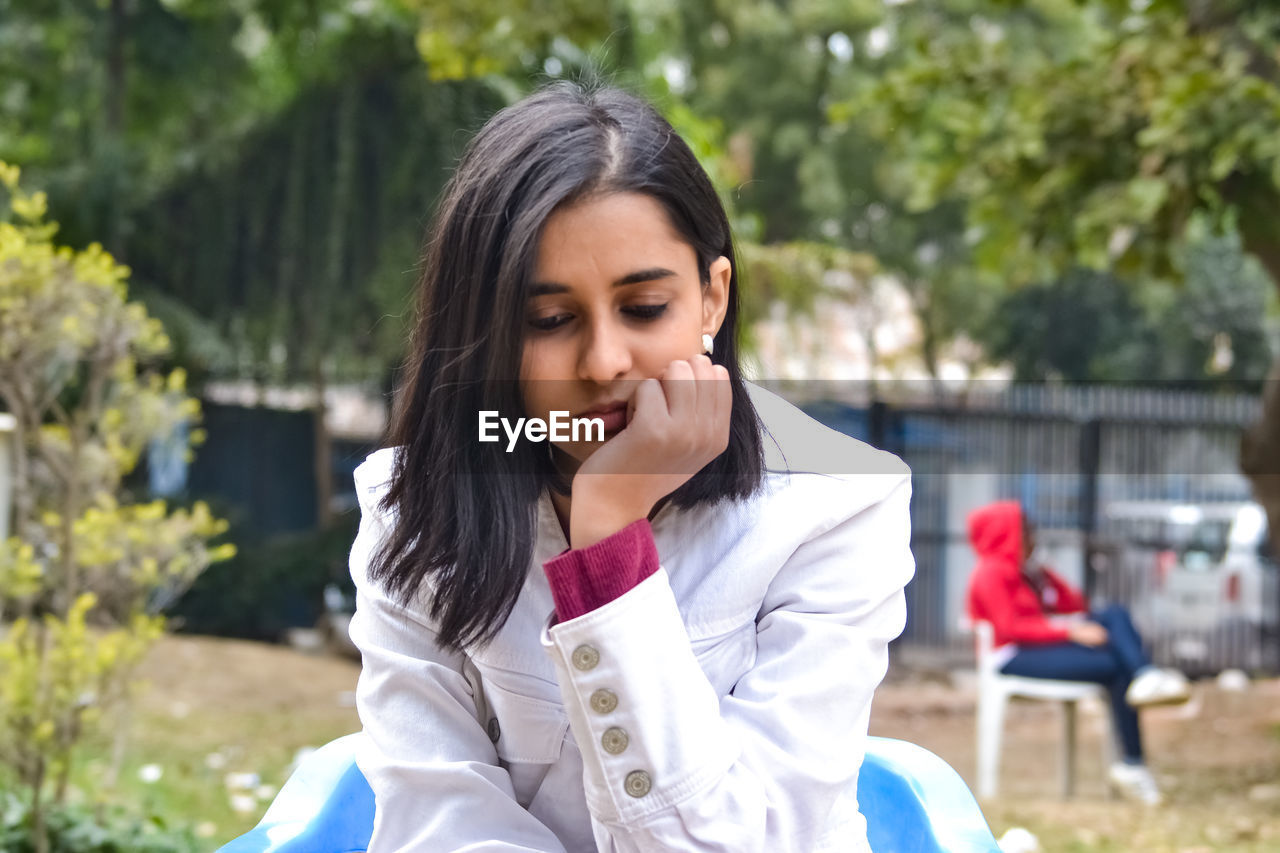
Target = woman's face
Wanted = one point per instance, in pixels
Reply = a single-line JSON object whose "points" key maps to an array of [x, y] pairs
{"points": [[615, 298]]}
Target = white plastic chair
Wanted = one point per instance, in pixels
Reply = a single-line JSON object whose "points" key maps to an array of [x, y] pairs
{"points": [[994, 691]]}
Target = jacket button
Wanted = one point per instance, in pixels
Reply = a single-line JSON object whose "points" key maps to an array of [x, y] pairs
{"points": [[585, 658], [614, 740], [637, 783], [493, 729], [603, 701]]}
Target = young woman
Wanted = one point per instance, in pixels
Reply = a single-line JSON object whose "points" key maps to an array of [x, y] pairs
{"points": [[665, 637], [1025, 602]]}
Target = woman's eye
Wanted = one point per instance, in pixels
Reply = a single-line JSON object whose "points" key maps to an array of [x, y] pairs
{"points": [[546, 324], [646, 312]]}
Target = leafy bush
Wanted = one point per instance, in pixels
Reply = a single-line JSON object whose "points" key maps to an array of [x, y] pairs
{"points": [[76, 829], [83, 576]]}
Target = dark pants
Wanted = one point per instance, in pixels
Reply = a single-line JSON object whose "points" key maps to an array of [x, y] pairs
{"points": [[1111, 665]]}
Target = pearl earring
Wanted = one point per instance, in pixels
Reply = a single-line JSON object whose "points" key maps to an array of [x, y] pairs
{"points": [[708, 344]]}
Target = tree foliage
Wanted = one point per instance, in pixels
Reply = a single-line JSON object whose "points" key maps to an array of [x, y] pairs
{"points": [[1090, 326], [968, 146], [1086, 133], [1102, 134]]}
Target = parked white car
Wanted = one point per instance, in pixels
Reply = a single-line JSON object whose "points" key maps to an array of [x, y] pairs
{"points": [[1210, 597]]}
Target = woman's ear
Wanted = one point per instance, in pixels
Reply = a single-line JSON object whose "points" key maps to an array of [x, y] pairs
{"points": [[715, 295]]}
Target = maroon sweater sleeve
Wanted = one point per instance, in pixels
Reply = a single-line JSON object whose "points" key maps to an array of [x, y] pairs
{"points": [[586, 578]]}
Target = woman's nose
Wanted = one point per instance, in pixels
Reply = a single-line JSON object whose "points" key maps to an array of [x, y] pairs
{"points": [[605, 355]]}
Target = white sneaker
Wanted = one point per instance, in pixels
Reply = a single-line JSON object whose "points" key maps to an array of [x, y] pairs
{"points": [[1157, 686], [1134, 782]]}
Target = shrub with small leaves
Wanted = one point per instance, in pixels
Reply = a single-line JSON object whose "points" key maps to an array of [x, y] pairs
{"points": [[77, 829], [85, 576]]}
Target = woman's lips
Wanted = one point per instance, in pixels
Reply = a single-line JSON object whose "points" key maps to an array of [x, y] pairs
{"points": [[614, 417]]}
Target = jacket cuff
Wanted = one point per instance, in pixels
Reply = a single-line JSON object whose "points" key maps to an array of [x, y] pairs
{"points": [[586, 578], [642, 711]]}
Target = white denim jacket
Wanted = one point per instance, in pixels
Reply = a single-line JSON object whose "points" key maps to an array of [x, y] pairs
{"points": [[722, 704]]}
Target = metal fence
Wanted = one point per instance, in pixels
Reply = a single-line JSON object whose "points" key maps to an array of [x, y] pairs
{"points": [[1098, 468], [1092, 466]]}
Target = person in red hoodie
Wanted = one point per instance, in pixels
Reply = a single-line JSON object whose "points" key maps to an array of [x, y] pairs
{"points": [[1043, 629]]}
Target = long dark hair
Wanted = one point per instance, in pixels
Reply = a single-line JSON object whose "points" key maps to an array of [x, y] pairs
{"points": [[466, 511]]}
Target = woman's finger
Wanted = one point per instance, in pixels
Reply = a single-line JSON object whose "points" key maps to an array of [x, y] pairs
{"points": [[705, 382], [681, 389], [650, 402], [723, 394]]}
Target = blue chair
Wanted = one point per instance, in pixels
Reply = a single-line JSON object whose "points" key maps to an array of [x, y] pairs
{"points": [[914, 802]]}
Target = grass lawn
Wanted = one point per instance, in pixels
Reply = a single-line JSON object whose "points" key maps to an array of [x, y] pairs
{"points": [[222, 720]]}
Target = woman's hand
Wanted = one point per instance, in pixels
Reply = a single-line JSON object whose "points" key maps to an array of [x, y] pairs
{"points": [[676, 424], [1088, 634]]}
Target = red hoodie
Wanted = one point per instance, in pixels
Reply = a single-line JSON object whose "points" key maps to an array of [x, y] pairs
{"points": [[998, 591]]}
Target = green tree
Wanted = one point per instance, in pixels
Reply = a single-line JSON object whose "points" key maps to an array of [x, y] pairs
{"points": [[1092, 133], [749, 82], [768, 72], [1088, 325], [1083, 327], [106, 104], [240, 157]]}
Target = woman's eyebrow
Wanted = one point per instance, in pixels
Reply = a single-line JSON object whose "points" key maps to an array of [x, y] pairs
{"points": [[651, 274], [542, 288]]}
